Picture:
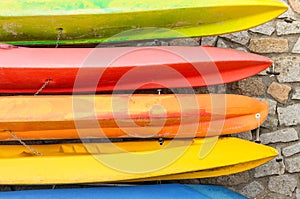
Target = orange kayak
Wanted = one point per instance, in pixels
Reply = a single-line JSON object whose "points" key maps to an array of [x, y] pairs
{"points": [[137, 115]]}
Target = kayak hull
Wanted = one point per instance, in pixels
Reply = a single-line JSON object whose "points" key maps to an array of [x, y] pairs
{"points": [[30, 23], [121, 116], [87, 70], [68, 164]]}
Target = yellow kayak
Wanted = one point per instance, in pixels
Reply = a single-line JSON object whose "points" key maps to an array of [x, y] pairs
{"points": [[129, 161], [40, 22]]}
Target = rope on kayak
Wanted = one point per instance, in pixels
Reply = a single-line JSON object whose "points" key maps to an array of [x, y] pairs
{"points": [[59, 33], [257, 116], [42, 87], [24, 144]]}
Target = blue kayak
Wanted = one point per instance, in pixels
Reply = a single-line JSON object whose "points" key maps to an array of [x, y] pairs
{"points": [[159, 191]]}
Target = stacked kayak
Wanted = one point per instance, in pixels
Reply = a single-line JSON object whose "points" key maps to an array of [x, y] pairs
{"points": [[121, 116], [90, 70], [32, 22], [163, 191], [70, 133], [129, 161]]}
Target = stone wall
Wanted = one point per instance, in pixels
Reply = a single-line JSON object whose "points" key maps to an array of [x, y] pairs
{"points": [[279, 40]]}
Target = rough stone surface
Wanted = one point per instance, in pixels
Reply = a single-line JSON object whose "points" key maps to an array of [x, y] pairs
{"points": [[234, 179], [284, 28], [190, 181], [271, 168], [296, 95], [269, 45], [184, 42], [283, 184], [292, 164], [245, 135], [209, 41], [296, 48], [279, 92], [274, 196], [229, 180], [288, 66], [153, 43], [283, 135], [290, 115], [266, 29], [221, 43], [252, 86], [295, 5], [242, 37], [253, 189], [242, 49], [291, 150], [271, 122], [272, 105], [298, 193]]}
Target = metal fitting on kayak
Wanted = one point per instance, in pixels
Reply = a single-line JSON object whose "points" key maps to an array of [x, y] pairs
{"points": [[257, 116], [272, 71], [161, 141]]}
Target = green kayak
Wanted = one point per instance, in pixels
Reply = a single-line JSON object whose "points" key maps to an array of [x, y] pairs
{"points": [[47, 22]]}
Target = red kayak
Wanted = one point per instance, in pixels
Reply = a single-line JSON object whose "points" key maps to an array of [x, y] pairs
{"points": [[89, 70]]}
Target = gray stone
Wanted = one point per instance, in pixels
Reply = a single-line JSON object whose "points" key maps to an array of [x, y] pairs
{"points": [[292, 164], [288, 66], [284, 28], [184, 42], [253, 189], [297, 193], [296, 95], [283, 135], [209, 41], [252, 86], [291, 150], [274, 196], [283, 184], [271, 122], [265, 29], [269, 45], [245, 135], [242, 49], [190, 181], [221, 44], [279, 92], [290, 115], [241, 37], [270, 168], [234, 179], [272, 105], [229, 180], [296, 48], [153, 43]]}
